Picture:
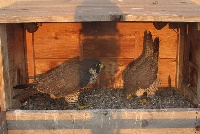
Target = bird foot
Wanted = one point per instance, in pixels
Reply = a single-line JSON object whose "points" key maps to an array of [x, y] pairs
{"points": [[144, 101], [77, 106], [90, 86], [128, 96], [81, 107]]}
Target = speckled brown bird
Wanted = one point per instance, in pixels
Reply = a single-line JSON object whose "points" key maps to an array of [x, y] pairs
{"points": [[142, 72], [65, 80]]}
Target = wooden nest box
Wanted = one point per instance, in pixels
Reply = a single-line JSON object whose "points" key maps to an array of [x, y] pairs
{"points": [[36, 36]]}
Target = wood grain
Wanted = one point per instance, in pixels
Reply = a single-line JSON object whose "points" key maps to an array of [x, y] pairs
{"points": [[17, 60], [115, 44], [3, 123], [94, 10], [4, 70], [95, 121]]}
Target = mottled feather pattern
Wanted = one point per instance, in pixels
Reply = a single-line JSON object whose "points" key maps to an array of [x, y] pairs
{"points": [[142, 72], [66, 79]]}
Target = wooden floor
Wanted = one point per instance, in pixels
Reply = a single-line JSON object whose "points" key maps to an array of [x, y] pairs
{"points": [[13, 11]]}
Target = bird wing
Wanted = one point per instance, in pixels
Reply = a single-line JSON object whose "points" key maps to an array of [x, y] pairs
{"points": [[142, 76], [61, 80]]}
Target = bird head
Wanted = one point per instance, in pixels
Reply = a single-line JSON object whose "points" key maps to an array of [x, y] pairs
{"points": [[100, 66]]}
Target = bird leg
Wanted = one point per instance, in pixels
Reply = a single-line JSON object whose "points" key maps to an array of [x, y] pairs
{"points": [[153, 87], [150, 90]]}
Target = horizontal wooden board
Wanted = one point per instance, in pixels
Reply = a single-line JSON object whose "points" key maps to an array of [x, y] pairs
{"points": [[115, 131], [104, 121], [94, 10], [167, 36], [105, 39], [53, 131], [58, 40]]}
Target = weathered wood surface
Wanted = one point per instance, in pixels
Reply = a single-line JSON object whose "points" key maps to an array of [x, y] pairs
{"points": [[3, 123], [193, 63], [12, 63], [115, 44], [14, 11], [138, 121], [4, 70], [17, 60], [195, 54]]}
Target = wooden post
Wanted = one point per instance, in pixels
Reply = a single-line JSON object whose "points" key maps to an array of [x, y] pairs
{"points": [[3, 124], [4, 68], [180, 52]]}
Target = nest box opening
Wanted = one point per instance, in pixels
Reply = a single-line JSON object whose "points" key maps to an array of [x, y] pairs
{"points": [[36, 48]]}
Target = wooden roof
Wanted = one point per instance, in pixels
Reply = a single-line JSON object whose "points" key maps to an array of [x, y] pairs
{"points": [[17, 11]]}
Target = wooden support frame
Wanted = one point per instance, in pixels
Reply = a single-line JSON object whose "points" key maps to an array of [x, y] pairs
{"points": [[127, 121], [4, 69], [3, 123], [13, 11]]}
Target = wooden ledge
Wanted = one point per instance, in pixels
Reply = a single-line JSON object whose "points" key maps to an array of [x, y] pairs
{"points": [[19, 11]]}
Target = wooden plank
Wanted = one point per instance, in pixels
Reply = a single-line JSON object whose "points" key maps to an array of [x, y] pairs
{"points": [[104, 121], [195, 62], [3, 123], [17, 59], [94, 10], [74, 131], [157, 131], [43, 65], [121, 131], [114, 40], [167, 67], [30, 59], [4, 70], [180, 56], [196, 1], [4, 3], [61, 40]]}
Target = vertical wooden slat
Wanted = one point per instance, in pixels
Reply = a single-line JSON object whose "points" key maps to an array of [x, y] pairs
{"points": [[30, 61], [4, 69], [3, 123], [180, 52], [17, 60], [195, 61]]}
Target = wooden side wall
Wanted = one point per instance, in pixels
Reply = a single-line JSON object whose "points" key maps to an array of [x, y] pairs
{"points": [[16, 60], [3, 123], [4, 69], [191, 68], [115, 44]]}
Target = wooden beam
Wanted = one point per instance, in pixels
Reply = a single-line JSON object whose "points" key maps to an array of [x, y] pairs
{"points": [[15, 11], [163, 121], [180, 52], [3, 124], [4, 69], [195, 60]]}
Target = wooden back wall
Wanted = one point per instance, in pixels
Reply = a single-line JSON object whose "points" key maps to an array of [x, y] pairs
{"points": [[114, 43]]}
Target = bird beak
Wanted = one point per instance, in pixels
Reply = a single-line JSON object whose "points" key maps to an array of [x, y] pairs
{"points": [[102, 66]]}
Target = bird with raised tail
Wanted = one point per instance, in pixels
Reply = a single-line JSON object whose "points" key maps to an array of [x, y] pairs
{"points": [[140, 75]]}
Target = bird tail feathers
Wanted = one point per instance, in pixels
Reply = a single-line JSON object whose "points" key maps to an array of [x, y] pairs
{"points": [[24, 86], [27, 90]]}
